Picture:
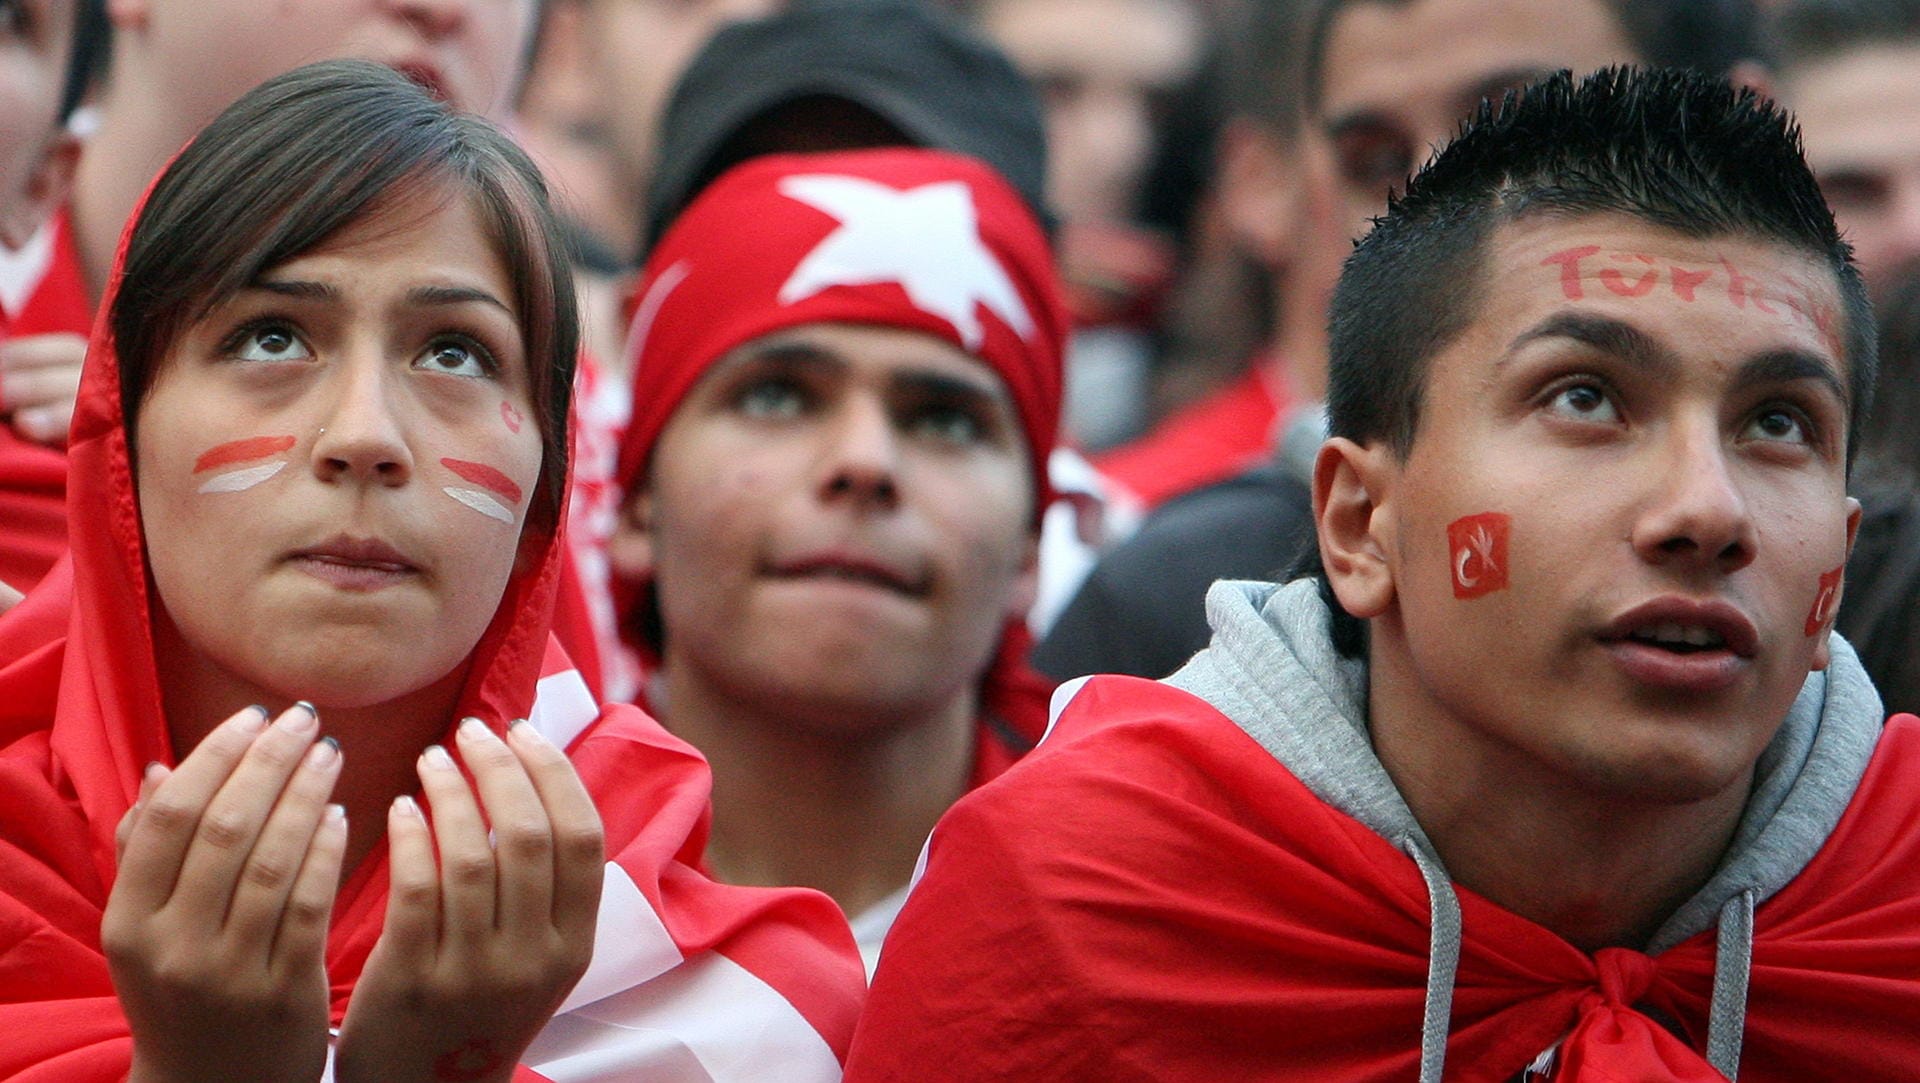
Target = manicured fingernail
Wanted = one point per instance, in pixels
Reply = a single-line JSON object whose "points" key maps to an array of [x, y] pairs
{"points": [[154, 772], [252, 720], [301, 719], [323, 752], [524, 732], [436, 756], [336, 815], [472, 728], [406, 806]]}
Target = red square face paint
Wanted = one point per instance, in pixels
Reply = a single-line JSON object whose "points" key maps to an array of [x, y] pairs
{"points": [[1825, 601], [1478, 548]]}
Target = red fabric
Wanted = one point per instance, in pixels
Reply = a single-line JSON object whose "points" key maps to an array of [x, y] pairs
{"points": [[80, 716], [33, 477], [1226, 433], [714, 283], [1150, 895]]}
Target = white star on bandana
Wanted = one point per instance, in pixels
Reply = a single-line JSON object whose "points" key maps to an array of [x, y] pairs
{"points": [[945, 268]]}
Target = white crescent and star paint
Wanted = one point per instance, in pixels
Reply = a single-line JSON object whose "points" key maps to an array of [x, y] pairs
{"points": [[947, 271]]}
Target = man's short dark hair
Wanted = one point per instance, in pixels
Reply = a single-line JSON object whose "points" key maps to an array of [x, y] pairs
{"points": [[1708, 36], [1671, 148], [1807, 31]]}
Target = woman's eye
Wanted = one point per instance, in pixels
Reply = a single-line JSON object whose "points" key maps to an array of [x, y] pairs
{"points": [[456, 357], [1781, 425], [775, 400], [1584, 402], [270, 343]]}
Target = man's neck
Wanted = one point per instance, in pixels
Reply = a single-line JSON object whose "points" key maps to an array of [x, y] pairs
{"points": [[844, 808], [1600, 868], [134, 142]]}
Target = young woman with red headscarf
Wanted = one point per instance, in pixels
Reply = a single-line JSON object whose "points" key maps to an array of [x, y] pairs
{"points": [[320, 456]]}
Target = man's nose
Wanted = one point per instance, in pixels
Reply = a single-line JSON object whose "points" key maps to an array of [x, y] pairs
{"points": [[1696, 512]]}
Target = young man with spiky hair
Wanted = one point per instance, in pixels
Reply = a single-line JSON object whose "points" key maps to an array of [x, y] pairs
{"points": [[1555, 768]]}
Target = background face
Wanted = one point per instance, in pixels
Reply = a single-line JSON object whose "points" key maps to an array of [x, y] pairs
{"points": [[1859, 113], [1104, 69], [209, 52], [841, 523], [1398, 79], [36, 44], [638, 51], [1646, 449], [338, 464]]}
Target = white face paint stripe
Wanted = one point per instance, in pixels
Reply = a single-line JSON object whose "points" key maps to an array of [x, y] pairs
{"points": [[480, 502], [234, 481]]}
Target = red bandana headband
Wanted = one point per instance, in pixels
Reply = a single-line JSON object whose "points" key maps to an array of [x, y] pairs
{"points": [[915, 239]]}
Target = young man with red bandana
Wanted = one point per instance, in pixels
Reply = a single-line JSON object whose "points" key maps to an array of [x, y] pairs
{"points": [[846, 386], [1551, 766]]}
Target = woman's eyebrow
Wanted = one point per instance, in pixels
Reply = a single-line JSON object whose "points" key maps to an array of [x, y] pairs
{"points": [[455, 295]]}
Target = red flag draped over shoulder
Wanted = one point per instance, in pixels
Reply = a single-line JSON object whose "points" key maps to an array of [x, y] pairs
{"points": [[1152, 896], [80, 717]]}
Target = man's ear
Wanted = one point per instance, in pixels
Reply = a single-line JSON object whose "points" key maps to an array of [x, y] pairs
{"points": [[1353, 521], [45, 192], [1259, 189], [630, 548], [1823, 650]]}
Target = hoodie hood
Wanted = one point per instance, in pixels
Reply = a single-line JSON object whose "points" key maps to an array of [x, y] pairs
{"points": [[1272, 670]]}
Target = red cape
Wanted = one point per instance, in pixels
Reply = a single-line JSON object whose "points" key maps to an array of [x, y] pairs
{"points": [[1151, 895], [80, 717]]}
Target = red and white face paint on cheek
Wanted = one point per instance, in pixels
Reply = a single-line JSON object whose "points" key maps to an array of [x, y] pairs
{"points": [[494, 487], [1477, 553], [230, 462], [1826, 601], [511, 416]]}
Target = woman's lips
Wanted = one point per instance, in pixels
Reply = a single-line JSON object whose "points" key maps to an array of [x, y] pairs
{"points": [[356, 564]]}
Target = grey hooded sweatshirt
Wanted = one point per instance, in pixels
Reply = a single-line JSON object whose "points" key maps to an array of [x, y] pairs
{"points": [[1272, 669]]}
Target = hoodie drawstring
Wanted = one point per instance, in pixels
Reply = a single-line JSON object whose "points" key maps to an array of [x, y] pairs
{"points": [[1443, 960], [1732, 969]]}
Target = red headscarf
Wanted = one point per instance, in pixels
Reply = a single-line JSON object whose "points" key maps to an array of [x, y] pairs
{"points": [[916, 239], [81, 716]]}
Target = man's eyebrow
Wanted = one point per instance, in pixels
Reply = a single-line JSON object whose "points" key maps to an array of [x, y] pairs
{"points": [[1786, 366], [1611, 336], [790, 352], [454, 295], [1358, 120]]}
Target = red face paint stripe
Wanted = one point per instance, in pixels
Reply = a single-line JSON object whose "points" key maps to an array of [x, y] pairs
{"points": [[240, 451], [486, 477]]}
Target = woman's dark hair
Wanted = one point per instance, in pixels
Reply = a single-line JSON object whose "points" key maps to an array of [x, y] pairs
{"points": [[303, 156]]}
